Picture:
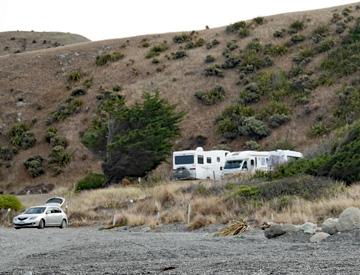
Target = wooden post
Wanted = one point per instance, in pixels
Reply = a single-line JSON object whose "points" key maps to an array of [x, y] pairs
{"points": [[188, 213]]}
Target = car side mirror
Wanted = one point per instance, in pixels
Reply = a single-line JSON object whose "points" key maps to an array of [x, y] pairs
{"points": [[48, 212]]}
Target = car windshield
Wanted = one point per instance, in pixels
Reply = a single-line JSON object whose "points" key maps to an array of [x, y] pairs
{"points": [[233, 164], [189, 159], [35, 210]]}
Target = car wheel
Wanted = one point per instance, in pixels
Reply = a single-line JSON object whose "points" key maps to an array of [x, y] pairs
{"points": [[41, 224], [63, 224]]}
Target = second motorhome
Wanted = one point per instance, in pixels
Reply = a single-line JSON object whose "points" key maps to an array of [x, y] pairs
{"points": [[198, 164], [252, 161]]}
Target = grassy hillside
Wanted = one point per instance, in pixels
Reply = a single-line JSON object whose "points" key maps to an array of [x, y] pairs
{"points": [[284, 81], [21, 41]]}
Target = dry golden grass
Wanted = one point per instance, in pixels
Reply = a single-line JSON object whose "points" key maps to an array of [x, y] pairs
{"points": [[168, 203], [314, 211]]}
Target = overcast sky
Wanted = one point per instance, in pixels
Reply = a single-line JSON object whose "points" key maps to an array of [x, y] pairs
{"points": [[105, 19]]}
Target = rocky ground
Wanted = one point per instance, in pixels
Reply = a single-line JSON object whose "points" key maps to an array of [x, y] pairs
{"points": [[173, 251]]}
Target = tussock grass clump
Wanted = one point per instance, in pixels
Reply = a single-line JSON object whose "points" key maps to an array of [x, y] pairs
{"points": [[70, 107], [74, 76], [7, 153], [21, 137], [199, 42], [178, 55], [209, 59], [296, 26], [157, 50], [211, 97], [182, 38], [103, 59], [10, 202], [91, 181], [214, 70]]}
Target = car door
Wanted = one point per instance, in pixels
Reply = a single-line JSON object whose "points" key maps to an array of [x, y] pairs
{"points": [[58, 216], [50, 216]]}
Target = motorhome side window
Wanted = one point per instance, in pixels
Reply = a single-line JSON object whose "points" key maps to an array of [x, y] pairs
{"points": [[187, 159], [218, 159], [200, 159], [208, 160]]}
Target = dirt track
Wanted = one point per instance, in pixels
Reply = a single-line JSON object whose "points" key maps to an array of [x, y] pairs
{"points": [[90, 251]]}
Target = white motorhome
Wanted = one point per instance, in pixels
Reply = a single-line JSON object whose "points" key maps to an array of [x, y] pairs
{"points": [[198, 164], [252, 161], [246, 161], [281, 156]]}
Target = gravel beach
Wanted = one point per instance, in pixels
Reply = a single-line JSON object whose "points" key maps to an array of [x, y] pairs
{"points": [[139, 251]]}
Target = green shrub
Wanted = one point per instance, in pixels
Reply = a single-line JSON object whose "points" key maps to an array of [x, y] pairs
{"points": [[58, 141], [50, 133], [157, 50], [320, 33], [318, 129], [275, 50], [246, 192], [232, 45], [88, 83], [279, 33], [214, 70], [109, 57], [91, 181], [10, 202], [342, 61], [244, 32], [252, 145], [34, 166], [74, 76], [21, 137], [70, 107], [232, 118], [6, 153], [259, 20], [325, 46], [209, 59], [297, 38], [215, 95], [235, 27], [282, 144], [182, 38], [307, 187], [304, 56], [58, 159], [155, 61], [273, 108], [349, 101], [253, 128], [178, 55], [198, 43], [276, 120], [212, 44], [231, 61], [296, 26]]}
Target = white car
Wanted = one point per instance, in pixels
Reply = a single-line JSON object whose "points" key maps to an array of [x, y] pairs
{"points": [[49, 214]]}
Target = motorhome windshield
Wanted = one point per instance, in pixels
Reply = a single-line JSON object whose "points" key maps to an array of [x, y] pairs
{"points": [[233, 164], [187, 159]]}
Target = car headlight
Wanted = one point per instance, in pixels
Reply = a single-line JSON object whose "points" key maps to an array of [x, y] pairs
{"points": [[32, 218]]}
